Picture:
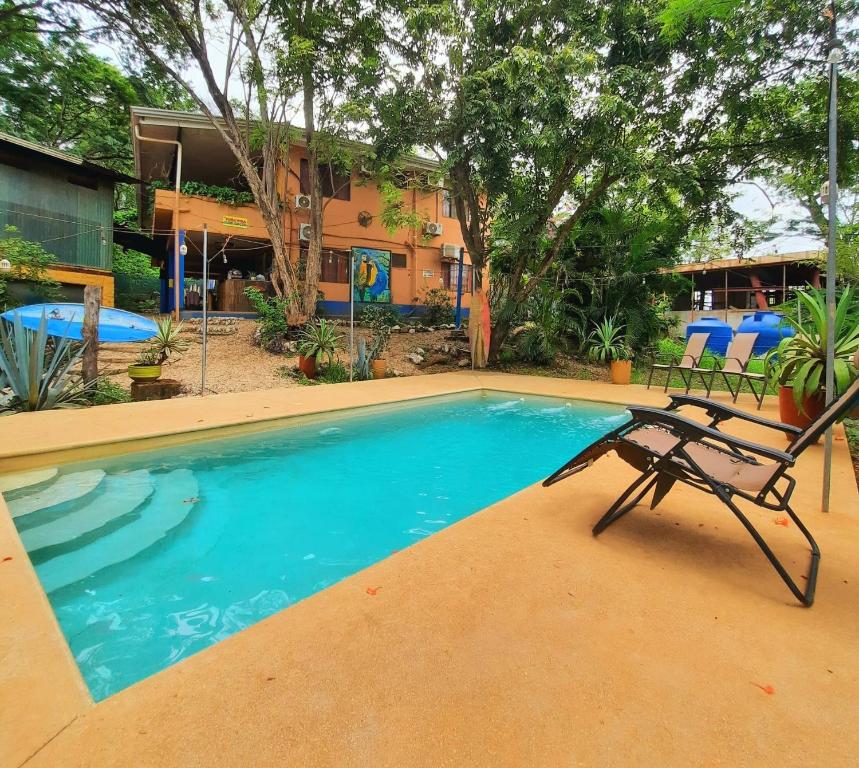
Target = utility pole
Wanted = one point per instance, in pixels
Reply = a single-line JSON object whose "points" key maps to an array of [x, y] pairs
{"points": [[833, 59]]}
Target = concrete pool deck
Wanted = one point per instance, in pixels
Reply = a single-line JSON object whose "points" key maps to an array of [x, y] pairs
{"points": [[510, 638]]}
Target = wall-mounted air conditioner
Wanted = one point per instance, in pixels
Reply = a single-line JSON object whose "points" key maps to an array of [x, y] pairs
{"points": [[304, 232], [450, 252], [432, 228], [302, 202]]}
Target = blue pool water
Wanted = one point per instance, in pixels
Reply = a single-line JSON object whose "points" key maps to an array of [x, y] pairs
{"points": [[150, 557]]}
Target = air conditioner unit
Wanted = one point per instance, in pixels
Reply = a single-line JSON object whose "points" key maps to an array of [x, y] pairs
{"points": [[432, 228], [304, 231], [450, 252], [302, 202]]}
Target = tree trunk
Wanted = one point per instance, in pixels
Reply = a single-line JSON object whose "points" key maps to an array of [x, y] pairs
{"points": [[92, 305], [313, 262]]}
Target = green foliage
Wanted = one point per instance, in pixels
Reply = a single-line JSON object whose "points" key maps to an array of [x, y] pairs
{"points": [[606, 342], [108, 392], [546, 107], [30, 264], [320, 339], [381, 335], [55, 91], [438, 308], [333, 373], [273, 312], [800, 361], [226, 195], [38, 369], [539, 339], [379, 314], [132, 263]]}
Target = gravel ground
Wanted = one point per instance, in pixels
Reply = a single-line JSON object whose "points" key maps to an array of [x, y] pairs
{"points": [[235, 364]]}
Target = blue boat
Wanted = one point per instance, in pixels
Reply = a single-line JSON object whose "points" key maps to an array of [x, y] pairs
{"points": [[66, 320]]}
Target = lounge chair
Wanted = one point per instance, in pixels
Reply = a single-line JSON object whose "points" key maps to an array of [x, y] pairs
{"points": [[685, 364], [735, 366], [666, 447]]}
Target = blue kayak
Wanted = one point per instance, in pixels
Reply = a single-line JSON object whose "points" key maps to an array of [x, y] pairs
{"points": [[66, 320]]}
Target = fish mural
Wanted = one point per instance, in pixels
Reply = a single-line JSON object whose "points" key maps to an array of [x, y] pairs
{"points": [[372, 275]]}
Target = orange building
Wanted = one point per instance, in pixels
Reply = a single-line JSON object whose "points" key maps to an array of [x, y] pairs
{"points": [[167, 142]]}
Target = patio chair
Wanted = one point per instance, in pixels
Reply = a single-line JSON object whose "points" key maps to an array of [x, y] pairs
{"points": [[666, 447], [685, 364], [736, 364]]}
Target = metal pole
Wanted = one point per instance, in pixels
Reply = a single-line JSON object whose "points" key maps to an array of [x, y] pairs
{"points": [[834, 58], [351, 315], [458, 318], [205, 306]]}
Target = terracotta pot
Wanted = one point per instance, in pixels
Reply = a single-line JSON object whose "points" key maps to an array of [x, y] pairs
{"points": [[379, 368], [307, 365], [789, 414], [621, 371], [144, 372]]}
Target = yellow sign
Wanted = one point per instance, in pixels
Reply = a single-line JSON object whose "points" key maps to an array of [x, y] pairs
{"points": [[235, 221]]}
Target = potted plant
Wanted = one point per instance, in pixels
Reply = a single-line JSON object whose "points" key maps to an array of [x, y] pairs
{"points": [[621, 365], [166, 343], [607, 345], [319, 340], [377, 348], [798, 363]]}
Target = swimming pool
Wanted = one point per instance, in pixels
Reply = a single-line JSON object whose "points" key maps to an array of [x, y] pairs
{"points": [[152, 556]]}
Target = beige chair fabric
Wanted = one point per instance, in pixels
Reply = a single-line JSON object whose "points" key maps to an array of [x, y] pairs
{"points": [[739, 353], [719, 465]]}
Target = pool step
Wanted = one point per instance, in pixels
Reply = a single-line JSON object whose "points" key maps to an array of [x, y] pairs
{"points": [[122, 494], [65, 488], [174, 497], [18, 480]]}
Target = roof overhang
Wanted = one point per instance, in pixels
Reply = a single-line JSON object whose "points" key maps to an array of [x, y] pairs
{"points": [[21, 147]]}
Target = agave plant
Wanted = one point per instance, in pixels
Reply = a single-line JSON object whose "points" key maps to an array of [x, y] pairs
{"points": [[606, 342], [167, 341], [800, 361], [319, 339], [38, 369]]}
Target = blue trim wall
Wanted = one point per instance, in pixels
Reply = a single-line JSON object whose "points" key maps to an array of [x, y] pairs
{"points": [[341, 309]]}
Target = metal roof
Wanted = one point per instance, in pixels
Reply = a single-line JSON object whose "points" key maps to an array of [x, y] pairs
{"points": [[15, 144]]}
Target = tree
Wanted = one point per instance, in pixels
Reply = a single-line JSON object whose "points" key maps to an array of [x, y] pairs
{"points": [[335, 55], [244, 93], [535, 106]]}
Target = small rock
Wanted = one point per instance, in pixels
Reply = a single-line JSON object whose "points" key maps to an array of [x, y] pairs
{"points": [[445, 348], [431, 329], [414, 358], [411, 330], [395, 329], [396, 372], [421, 351], [464, 363]]}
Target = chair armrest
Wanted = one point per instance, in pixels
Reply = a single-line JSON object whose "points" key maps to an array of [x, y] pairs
{"points": [[725, 412], [692, 430]]}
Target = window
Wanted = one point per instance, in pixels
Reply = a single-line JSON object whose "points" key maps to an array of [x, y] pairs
{"points": [[334, 183], [450, 276], [447, 205], [335, 266], [398, 260]]}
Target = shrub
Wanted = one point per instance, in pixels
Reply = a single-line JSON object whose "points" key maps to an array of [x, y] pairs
{"points": [[534, 344], [107, 392], [273, 312], [437, 307], [377, 315], [30, 263], [334, 373], [320, 339]]}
